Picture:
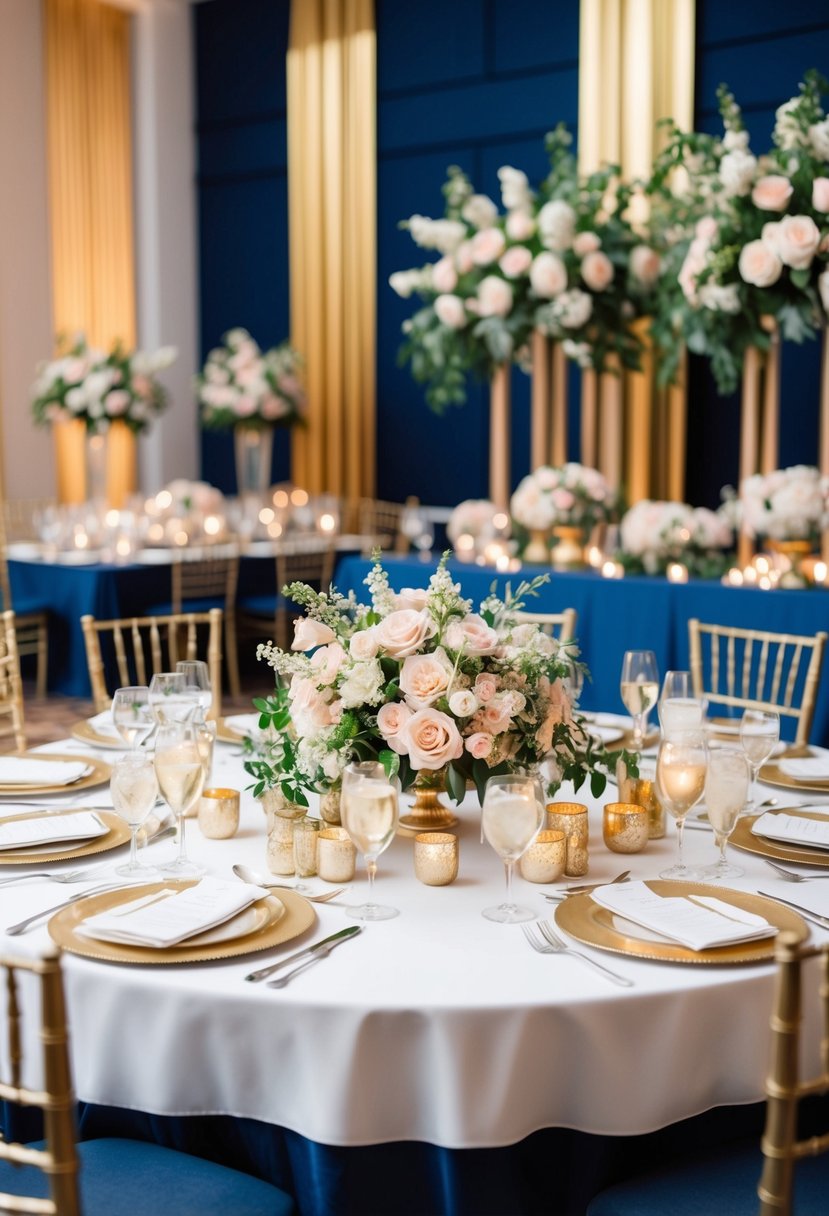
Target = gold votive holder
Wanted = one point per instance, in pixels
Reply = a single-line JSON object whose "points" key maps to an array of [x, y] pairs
{"points": [[336, 855], [625, 827], [642, 790], [436, 858], [544, 860], [571, 819], [306, 838], [280, 847], [219, 813]]}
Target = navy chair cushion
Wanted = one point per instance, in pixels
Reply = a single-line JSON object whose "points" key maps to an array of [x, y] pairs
{"points": [[136, 1178], [187, 606], [264, 605], [724, 1184]]}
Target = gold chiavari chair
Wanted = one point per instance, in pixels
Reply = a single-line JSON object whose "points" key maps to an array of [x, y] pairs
{"points": [[269, 617], [107, 1177], [757, 669], [31, 621], [133, 649], [559, 625], [209, 580], [379, 523], [11, 688]]}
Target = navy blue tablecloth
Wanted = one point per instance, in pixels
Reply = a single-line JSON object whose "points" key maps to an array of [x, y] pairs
{"points": [[615, 615]]}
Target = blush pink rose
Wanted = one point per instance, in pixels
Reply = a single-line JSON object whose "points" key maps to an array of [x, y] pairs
{"points": [[473, 635], [327, 661], [520, 226], [432, 739], [820, 194], [403, 632], [516, 262], [645, 264], [705, 229], [548, 275], [463, 257], [444, 275], [486, 687], [425, 677], [759, 264], [391, 719], [494, 297], [308, 634], [487, 246], [597, 271], [772, 192], [798, 240], [586, 242], [496, 716], [364, 645], [412, 597], [450, 311], [479, 745], [463, 703], [309, 707]]}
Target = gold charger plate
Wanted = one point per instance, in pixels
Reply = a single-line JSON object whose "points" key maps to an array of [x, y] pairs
{"points": [[279, 920], [743, 838], [118, 834], [584, 919], [99, 775], [772, 774], [85, 732]]}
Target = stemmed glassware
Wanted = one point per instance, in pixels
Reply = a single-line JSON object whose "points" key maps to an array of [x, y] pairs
{"points": [[418, 528], [681, 764], [169, 698], [639, 689], [132, 714], [513, 814], [197, 682], [679, 709], [134, 789], [726, 791], [180, 773], [759, 734], [369, 805]]}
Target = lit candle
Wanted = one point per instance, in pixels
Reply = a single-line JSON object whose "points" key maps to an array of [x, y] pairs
{"points": [[595, 557], [612, 569], [213, 525], [327, 523], [465, 546], [820, 572], [677, 573], [266, 516], [502, 562], [734, 577]]}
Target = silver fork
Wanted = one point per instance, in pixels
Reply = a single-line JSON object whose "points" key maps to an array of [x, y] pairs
{"points": [[550, 943], [55, 876], [790, 876]]}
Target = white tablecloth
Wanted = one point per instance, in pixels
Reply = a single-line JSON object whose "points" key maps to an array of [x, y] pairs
{"points": [[437, 1026]]}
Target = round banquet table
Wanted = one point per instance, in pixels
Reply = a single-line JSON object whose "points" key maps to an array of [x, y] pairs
{"points": [[437, 1028]]}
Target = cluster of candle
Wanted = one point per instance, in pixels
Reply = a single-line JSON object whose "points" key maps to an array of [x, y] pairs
{"points": [[765, 572], [491, 546]]}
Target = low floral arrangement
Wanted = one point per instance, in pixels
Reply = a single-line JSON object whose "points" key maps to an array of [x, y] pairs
{"points": [[475, 517], [187, 496], [654, 534], [572, 495], [98, 388], [424, 684], [240, 383], [787, 504]]}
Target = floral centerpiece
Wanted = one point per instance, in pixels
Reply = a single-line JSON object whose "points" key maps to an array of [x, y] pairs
{"points": [[785, 505], [475, 518], [571, 495], [240, 383], [98, 387], [653, 534], [427, 686]]}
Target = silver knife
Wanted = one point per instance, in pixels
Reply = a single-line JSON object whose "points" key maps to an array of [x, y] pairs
{"points": [[264, 972], [806, 913], [23, 925], [321, 951]]}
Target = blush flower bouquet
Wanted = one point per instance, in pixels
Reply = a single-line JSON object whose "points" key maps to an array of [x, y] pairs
{"points": [[571, 495], [424, 684], [653, 534], [240, 383], [786, 504]]}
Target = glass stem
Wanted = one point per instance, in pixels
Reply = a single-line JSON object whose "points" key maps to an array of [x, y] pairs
{"points": [[638, 730], [182, 851], [133, 862], [508, 868], [371, 870], [680, 828], [722, 841]]}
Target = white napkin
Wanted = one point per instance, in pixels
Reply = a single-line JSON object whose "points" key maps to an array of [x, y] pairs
{"points": [[684, 920], [20, 770], [795, 829], [812, 896], [170, 919], [102, 724], [812, 768], [82, 825], [246, 724]]}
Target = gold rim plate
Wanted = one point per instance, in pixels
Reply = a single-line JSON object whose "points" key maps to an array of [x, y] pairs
{"points": [[99, 775], [118, 834], [277, 921], [743, 838], [582, 918], [228, 734], [772, 774], [85, 732]]}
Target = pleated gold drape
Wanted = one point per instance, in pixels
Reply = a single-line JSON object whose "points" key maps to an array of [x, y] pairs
{"points": [[636, 66], [332, 217], [89, 147]]}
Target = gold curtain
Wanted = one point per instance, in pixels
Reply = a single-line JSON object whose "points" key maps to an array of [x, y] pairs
{"points": [[636, 66], [332, 217], [89, 148]]}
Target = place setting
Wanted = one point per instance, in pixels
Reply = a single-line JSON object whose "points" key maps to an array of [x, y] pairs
{"points": [[37, 773]]}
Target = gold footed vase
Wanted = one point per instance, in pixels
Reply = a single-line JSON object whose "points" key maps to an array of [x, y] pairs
{"points": [[428, 813], [567, 552], [796, 551], [537, 552]]}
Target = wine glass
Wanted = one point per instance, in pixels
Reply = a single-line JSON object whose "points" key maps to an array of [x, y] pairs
{"points": [[726, 791], [513, 813], [168, 697], [132, 714], [369, 809], [197, 682], [759, 734], [679, 709], [639, 689], [681, 764], [134, 789], [180, 773]]}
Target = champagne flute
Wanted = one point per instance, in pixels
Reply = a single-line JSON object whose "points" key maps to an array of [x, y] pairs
{"points": [[180, 773], [168, 697], [639, 689], [370, 810], [197, 681], [134, 789], [513, 813], [132, 714], [679, 709], [726, 791], [759, 734], [681, 764]]}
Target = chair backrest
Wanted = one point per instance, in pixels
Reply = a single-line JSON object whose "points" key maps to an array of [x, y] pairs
{"points": [[782, 1147], [11, 687], [19, 516], [58, 1158], [130, 651], [560, 625], [209, 575], [379, 524], [300, 564], [755, 669]]}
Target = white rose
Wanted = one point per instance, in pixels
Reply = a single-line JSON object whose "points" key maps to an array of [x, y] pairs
{"points": [[412, 597], [463, 703], [574, 308], [520, 226], [444, 275], [819, 138], [487, 246], [364, 645], [797, 241], [450, 311], [425, 677], [362, 685], [403, 632], [494, 297], [759, 264], [557, 224], [479, 211], [548, 275]]}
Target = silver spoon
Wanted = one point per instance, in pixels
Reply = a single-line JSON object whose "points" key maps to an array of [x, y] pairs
{"points": [[253, 876]]}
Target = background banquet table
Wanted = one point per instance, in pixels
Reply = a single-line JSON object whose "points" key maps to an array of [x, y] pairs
{"points": [[438, 1027], [615, 615]]}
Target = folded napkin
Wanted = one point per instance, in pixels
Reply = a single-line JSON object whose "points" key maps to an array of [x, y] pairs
{"points": [[810, 896], [102, 724], [166, 920], [21, 770], [246, 724], [794, 829], [684, 920], [812, 768], [49, 829]]}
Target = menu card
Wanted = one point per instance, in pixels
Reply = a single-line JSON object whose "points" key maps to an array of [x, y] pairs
{"points": [[49, 829], [168, 918], [795, 829], [811, 768], [22, 770], [698, 922]]}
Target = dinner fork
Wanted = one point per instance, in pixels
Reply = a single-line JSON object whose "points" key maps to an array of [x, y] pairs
{"points": [[789, 875], [550, 943], [55, 876]]}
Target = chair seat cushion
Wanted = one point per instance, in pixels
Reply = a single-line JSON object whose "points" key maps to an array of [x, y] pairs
{"points": [[187, 606], [138, 1178], [724, 1184], [262, 605]]}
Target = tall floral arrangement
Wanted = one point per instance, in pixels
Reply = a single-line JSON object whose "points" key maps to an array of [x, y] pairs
{"points": [[424, 684], [652, 534], [786, 504], [571, 495], [98, 387], [240, 383]]}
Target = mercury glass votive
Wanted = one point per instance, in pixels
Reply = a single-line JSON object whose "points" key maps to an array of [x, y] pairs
{"points": [[436, 858], [219, 813], [642, 790], [336, 855], [545, 858], [625, 827], [306, 838], [571, 819]]}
